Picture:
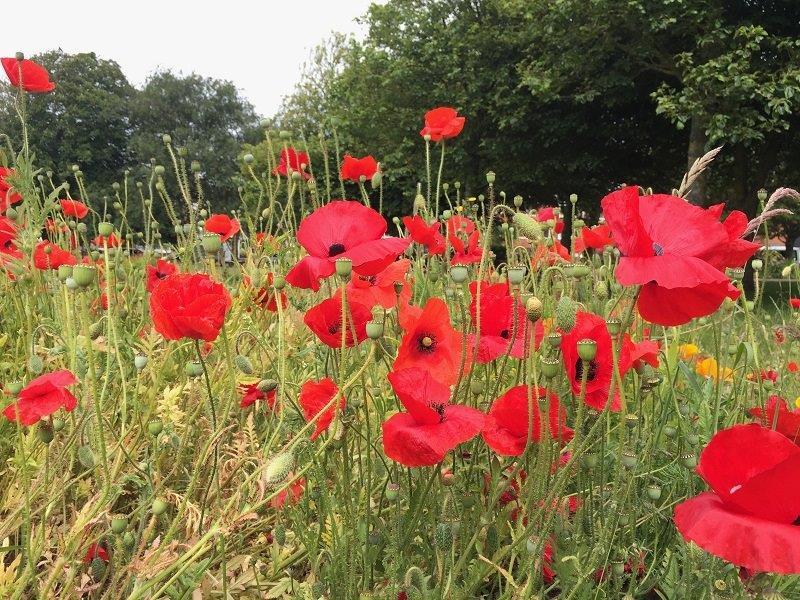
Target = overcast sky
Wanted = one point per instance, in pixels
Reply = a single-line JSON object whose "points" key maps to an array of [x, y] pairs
{"points": [[258, 45]]}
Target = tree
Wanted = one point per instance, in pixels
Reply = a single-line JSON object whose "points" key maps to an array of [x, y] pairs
{"points": [[84, 121], [206, 116]]}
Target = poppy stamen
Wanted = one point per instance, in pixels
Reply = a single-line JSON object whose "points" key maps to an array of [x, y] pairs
{"points": [[579, 370], [335, 249], [658, 249]]}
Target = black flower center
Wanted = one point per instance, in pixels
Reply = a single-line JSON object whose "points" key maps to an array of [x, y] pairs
{"points": [[426, 343], [334, 327], [371, 279], [579, 370], [439, 408], [335, 249], [658, 249], [505, 334]]}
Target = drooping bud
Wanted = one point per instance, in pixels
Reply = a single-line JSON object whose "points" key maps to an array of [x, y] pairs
{"points": [[527, 226], [278, 468], [243, 364], [533, 309]]}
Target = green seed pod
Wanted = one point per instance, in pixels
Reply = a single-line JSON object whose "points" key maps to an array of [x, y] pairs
{"points": [[45, 432], [14, 388], [64, 271], [459, 273], [84, 275], [587, 349], [159, 507], [566, 313], [476, 386], [58, 424], [344, 268], [119, 525], [105, 228], [140, 362], [278, 468], [527, 226], [689, 460], [629, 460], [654, 492], [590, 460], [193, 369], [155, 427], [211, 243], [516, 275], [35, 364], [392, 491], [244, 364], [374, 330], [86, 457], [550, 367]]}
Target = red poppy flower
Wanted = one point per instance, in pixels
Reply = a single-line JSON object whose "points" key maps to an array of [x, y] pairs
{"points": [[429, 236], [641, 353], [314, 397], [74, 208], [749, 517], [794, 302], [499, 334], [251, 392], [431, 343], [292, 160], [786, 421], [95, 551], [325, 320], [432, 426], [8, 239], [600, 374], [343, 229], [156, 274], [548, 213], [112, 241], [792, 367], [47, 255], [8, 196], [289, 495], [223, 226], [595, 238], [42, 397], [28, 75], [353, 169], [549, 253], [736, 251], [442, 123], [511, 424], [265, 297], [763, 375], [458, 225], [189, 305], [666, 245], [466, 252], [379, 290]]}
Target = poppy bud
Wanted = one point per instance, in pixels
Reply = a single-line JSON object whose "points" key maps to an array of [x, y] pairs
{"points": [[243, 364], [71, 284], [476, 386], [35, 364], [98, 568], [590, 460], [601, 289], [159, 170], [517, 201], [278, 468], [533, 309], [285, 134], [446, 214], [516, 275], [344, 268], [105, 228], [159, 507], [757, 264], [443, 536], [587, 349], [12, 213], [195, 166], [566, 313], [279, 534], [528, 226], [670, 431], [419, 203], [86, 456], [193, 369], [550, 367], [279, 283], [786, 271], [374, 330], [248, 159], [377, 179], [267, 385], [166, 138], [211, 243], [459, 273], [128, 540]]}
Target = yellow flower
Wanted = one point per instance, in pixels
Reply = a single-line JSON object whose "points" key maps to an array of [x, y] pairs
{"points": [[687, 351], [708, 367], [797, 402]]}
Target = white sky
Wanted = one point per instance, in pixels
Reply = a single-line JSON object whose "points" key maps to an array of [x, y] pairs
{"points": [[259, 46]]}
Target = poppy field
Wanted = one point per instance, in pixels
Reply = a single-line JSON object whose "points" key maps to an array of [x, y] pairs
{"points": [[481, 397]]}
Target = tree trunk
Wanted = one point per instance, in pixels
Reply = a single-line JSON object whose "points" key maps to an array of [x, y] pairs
{"points": [[697, 147]]}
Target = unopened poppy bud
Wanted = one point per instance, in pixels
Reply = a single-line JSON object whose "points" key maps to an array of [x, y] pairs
{"points": [[762, 194], [35, 364], [278, 469], [476, 386], [670, 431], [377, 179], [566, 313], [527, 226], [587, 349], [248, 159], [446, 214], [12, 213], [517, 201], [159, 170], [419, 203], [195, 166], [140, 362], [573, 198], [166, 138], [344, 268], [374, 330], [279, 282], [533, 309], [550, 367], [243, 364], [159, 507], [396, 220], [787, 270], [459, 273], [211, 243], [267, 385], [757, 264], [447, 477]]}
